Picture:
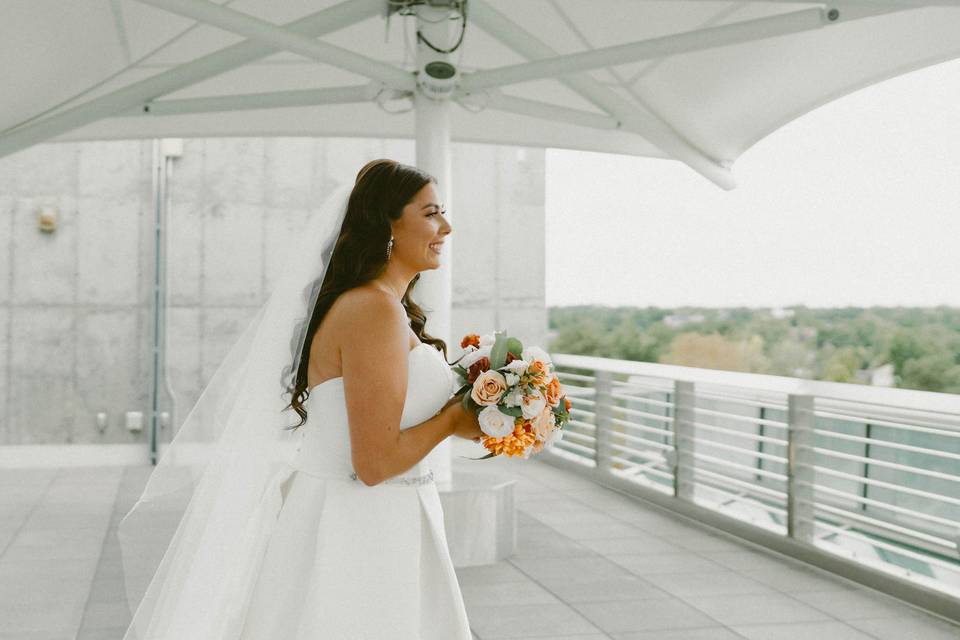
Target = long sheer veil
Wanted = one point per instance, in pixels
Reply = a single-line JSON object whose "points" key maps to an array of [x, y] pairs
{"points": [[209, 481]]}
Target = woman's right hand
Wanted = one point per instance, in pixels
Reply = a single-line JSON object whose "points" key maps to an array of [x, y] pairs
{"points": [[463, 422]]}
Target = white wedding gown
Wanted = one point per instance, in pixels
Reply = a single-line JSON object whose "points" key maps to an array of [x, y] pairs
{"points": [[339, 560]]}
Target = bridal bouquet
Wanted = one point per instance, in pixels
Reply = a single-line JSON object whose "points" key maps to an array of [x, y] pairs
{"points": [[520, 403]]}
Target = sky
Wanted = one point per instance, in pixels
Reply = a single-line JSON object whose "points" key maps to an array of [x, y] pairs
{"points": [[856, 203]]}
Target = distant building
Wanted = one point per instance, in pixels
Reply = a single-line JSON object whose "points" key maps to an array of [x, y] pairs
{"points": [[882, 376], [780, 312]]}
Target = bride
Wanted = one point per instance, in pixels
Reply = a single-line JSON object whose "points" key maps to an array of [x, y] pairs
{"points": [[330, 528]]}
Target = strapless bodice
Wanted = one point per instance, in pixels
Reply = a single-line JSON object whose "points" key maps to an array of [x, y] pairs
{"points": [[324, 446]]}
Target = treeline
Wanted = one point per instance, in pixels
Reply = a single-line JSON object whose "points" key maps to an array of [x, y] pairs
{"points": [[908, 347]]}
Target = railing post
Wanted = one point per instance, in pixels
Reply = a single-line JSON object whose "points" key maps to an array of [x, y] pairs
{"points": [[800, 456], [683, 438], [602, 411]]}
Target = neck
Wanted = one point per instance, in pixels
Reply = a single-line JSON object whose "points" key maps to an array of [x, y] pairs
{"points": [[395, 279]]}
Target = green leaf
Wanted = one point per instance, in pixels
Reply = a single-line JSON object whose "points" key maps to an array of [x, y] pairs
{"points": [[515, 412], [515, 347], [498, 354], [460, 370]]}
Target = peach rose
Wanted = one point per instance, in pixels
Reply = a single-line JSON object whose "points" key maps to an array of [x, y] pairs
{"points": [[488, 388]]}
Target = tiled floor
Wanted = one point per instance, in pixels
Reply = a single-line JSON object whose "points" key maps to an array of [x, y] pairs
{"points": [[591, 564]]}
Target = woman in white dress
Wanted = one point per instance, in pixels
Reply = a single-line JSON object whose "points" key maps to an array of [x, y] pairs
{"points": [[330, 528]]}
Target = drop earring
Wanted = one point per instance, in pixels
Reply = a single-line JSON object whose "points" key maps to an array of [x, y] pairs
{"points": [[389, 247]]}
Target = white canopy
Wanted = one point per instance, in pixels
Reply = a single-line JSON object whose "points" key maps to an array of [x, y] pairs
{"points": [[696, 81]]}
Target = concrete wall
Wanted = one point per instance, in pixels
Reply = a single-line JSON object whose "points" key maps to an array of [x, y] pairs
{"points": [[75, 305]]}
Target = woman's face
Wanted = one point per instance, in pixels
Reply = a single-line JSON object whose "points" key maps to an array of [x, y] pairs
{"points": [[419, 233]]}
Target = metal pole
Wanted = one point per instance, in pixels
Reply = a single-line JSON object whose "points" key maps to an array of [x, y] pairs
{"points": [[432, 124]]}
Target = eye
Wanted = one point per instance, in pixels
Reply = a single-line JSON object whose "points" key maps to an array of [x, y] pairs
{"points": [[433, 213]]}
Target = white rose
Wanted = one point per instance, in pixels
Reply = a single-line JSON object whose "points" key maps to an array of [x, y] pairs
{"points": [[536, 353], [473, 356], [511, 378], [517, 366], [494, 423], [513, 397], [487, 340], [532, 404]]}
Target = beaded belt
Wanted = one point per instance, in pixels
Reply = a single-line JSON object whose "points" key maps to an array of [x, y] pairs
{"points": [[421, 479]]}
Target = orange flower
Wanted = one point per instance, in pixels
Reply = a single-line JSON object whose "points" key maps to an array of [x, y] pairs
{"points": [[513, 444], [536, 374], [470, 339], [552, 392], [566, 403]]}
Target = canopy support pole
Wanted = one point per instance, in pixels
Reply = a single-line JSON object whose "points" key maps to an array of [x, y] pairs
{"points": [[636, 118], [432, 135], [322, 22]]}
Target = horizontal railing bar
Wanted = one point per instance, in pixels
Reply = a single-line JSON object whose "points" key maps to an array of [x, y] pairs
{"points": [[743, 434], [580, 423], [642, 468], [641, 427], [646, 443], [883, 524], [582, 412], [587, 440], [887, 485], [773, 493], [887, 415], [658, 403], [889, 547], [574, 376], [880, 504], [586, 401], [727, 463], [643, 414], [750, 403], [565, 444], [729, 447], [884, 463], [750, 419], [886, 443]]}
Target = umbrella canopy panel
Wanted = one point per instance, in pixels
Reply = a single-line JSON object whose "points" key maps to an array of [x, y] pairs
{"points": [[696, 81]]}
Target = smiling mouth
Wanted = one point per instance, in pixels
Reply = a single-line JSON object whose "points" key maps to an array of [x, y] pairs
{"points": [[436, 247]]}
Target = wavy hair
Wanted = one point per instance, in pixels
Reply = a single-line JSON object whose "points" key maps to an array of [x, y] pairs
{"points": [[382, 189]]}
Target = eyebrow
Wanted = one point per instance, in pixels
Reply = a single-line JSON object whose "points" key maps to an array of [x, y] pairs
{"points": [[430, 205]]}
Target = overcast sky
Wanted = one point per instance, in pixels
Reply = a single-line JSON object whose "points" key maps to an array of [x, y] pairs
{"points": [[854, 204]]}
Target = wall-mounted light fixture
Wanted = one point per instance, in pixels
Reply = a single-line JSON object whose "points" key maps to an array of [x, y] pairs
{"points": [[47, 219]]}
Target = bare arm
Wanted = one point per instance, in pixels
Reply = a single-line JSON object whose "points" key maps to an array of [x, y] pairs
{"points": [[374, 365]]}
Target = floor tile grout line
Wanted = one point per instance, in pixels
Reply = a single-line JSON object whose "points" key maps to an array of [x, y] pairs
{"points": [[29, 513], [106, 534]]}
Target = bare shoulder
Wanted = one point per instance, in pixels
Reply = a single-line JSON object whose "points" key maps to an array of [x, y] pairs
{"points": [[364, 309]]}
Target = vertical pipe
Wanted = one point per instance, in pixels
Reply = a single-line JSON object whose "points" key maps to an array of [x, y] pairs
{"points": [[761, 429], [864, 487], [683, 437], [800, 457], [602, 410]]}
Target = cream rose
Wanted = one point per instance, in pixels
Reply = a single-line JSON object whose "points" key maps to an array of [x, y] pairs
{"points": [[532, 404], [543, 424], [488, 387], [494, 423], [487, 340], [513, 397]]}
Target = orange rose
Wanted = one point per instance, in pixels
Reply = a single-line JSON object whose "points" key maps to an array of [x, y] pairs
{"points": [[553, 391], [470, 339], [566, 403], [536, 373]]}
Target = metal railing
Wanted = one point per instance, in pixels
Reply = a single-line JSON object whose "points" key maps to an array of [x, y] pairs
{"points": [[864, 474]]}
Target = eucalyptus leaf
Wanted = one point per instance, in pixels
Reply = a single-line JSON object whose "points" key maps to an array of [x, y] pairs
{"points": [[514, 412], [515, 347], [498, 354]]}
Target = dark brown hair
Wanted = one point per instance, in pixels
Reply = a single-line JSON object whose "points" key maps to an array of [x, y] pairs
{"points": [[382, 189]]}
